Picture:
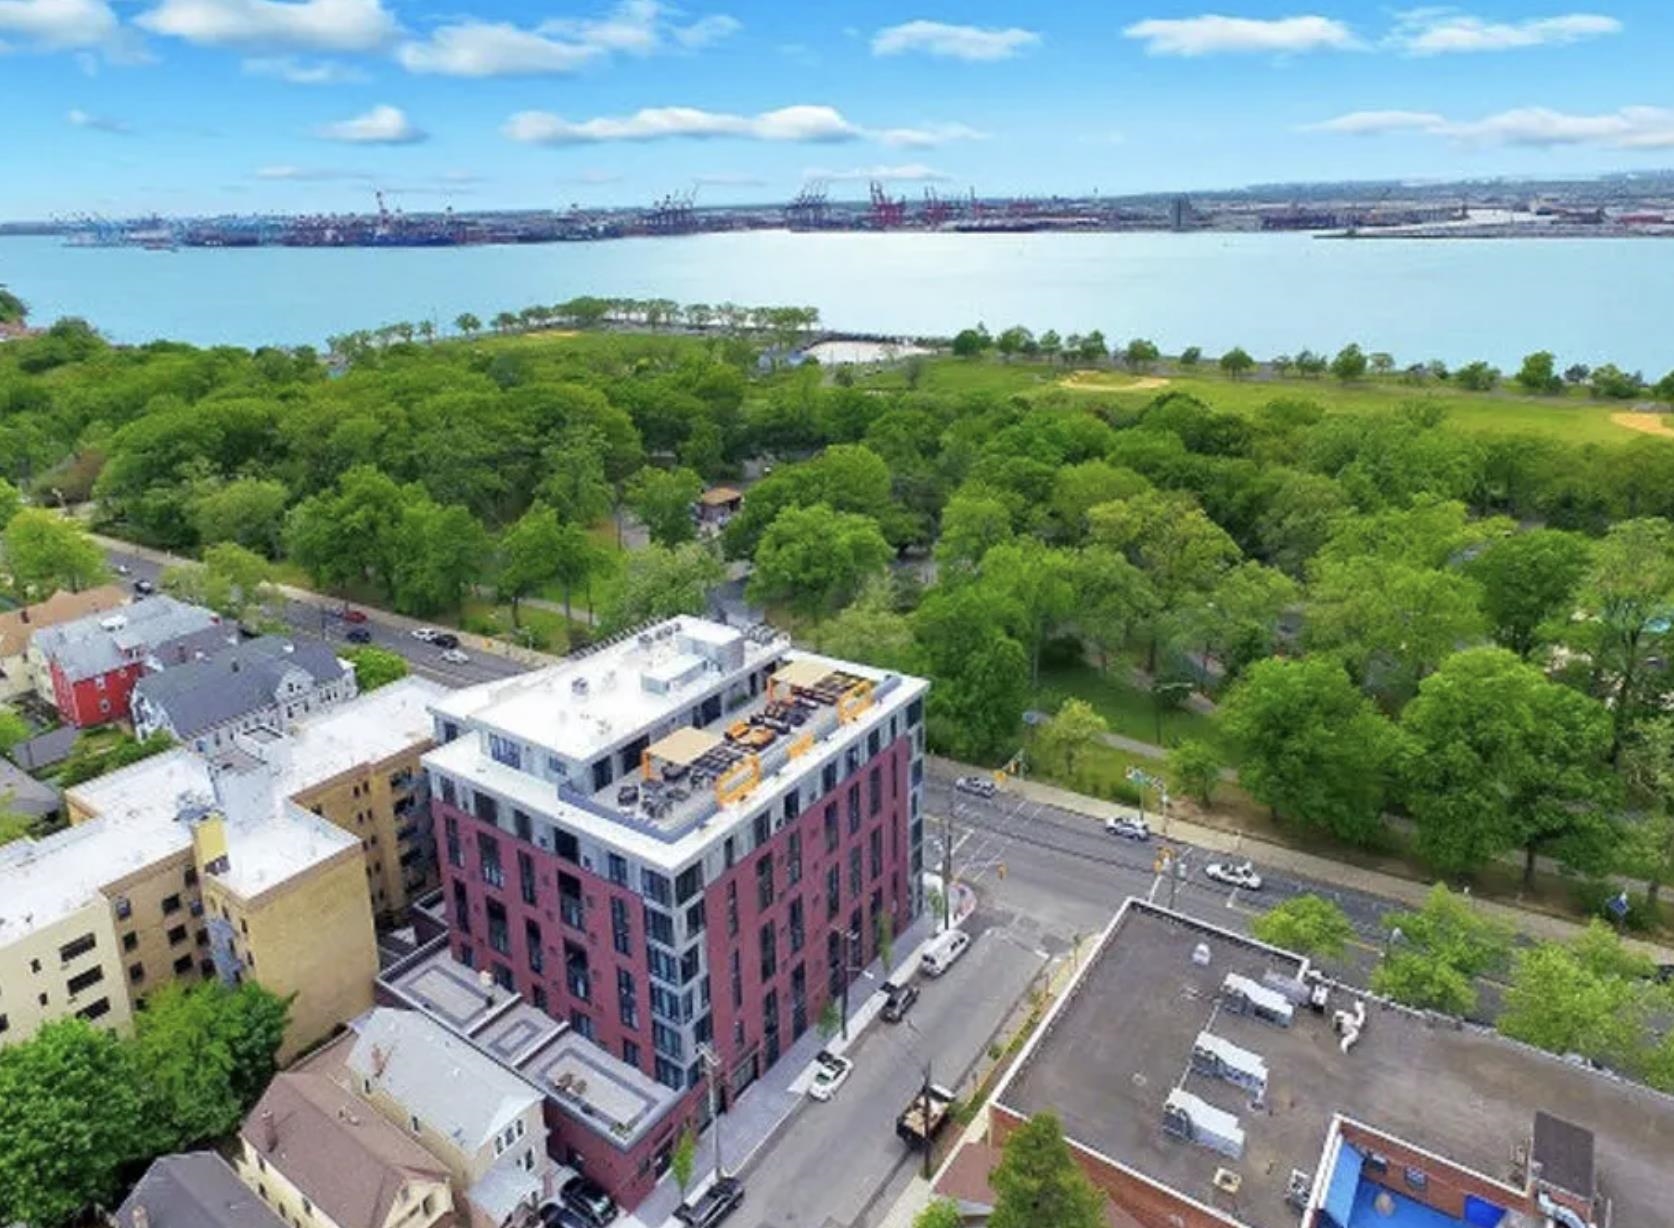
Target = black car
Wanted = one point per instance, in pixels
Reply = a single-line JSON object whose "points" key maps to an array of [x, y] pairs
{"points": [[588, 1199], [557, 1215], [446, 639], [898, 1002], [358, 635], [144, 587], [713, 1205]]}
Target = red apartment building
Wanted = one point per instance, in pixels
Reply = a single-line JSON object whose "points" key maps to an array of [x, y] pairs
{"points": [[95, 661], [680, 844]]}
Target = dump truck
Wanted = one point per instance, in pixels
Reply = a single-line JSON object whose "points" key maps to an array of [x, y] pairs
{"points": [[925, 1115]]}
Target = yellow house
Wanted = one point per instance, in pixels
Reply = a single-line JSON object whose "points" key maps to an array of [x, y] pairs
{"points": [[320, 1157], [22, 671]]}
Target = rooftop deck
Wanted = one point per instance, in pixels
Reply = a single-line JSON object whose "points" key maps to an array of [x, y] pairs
{"points": [[1122, 1043]]}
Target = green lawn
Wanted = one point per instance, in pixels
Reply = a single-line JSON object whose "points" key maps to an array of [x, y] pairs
{"points": [[1127, 709], [549, 631], [1573, 416]]}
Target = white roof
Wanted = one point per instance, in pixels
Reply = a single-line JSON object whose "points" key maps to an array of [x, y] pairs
{"points": [[438, 1077], [264, 853], [44, 881]]}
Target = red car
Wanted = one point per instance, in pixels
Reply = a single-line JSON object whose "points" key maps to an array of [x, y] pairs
{"points": [[352, 615]]}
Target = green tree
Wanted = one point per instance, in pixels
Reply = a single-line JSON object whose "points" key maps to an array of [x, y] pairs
{"points": [[92, 756], [72, 1118], [1610, 382], [1309, 924], [578, 486], [814, 559], [1191, 356], [1434, 955], [352, 534], [971, 342], [657, 582], [942, 1213], [1237, 621], [45, 552], [1647, 836], [231, 580], [1139, 354], [1194, 768], [1502, 758], [467, 323], [1529, 581], [662, 499], [1590, 996], [1539, 374], [1035, 592], [11, 502], [981, 673], [1476, 377], [203, 1055], [249, 511], [1310, 746], [1626, 602], [974, 520], [374, 667], [1038, 1181], [1237, 363], [1062, 743], [684, 1160], [13, 729], [869, 630], [13, 825], [575, 561], [1014, 340], [529, 556], [1349, 364], [441, 551]]}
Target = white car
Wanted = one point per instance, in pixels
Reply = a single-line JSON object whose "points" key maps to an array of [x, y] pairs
{"points": [[830, 1073], [424, 633], [1128, 829], [979, 785], [1234, 874], [454, 657], [122, 569]]}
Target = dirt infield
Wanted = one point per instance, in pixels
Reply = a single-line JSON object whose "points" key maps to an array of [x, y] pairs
{"points": [[1647, 424], [1105, 381]]}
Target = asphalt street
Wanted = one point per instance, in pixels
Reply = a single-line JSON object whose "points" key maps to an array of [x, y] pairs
{"points": [[318, 623]]}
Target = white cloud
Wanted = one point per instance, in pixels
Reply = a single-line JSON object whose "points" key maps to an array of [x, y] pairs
{"points": [[1373, 123], [1628, 128], [729, 179], [1442, 32], [469, 48], [1212, 34], [316, 25], [912, 172], [78, 118], [493, 49], [59, 25], [382, 125], [976, 43], [302, 72], [928, 136], [309, 174], [795, 123]]}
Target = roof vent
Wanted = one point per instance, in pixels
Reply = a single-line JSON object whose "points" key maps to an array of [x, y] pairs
{"points": [[578, 686]]}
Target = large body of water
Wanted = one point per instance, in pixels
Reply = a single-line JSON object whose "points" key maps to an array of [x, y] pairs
{"points": [[1589, 300]]}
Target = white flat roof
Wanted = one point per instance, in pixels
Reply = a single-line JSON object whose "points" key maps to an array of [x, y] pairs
{"points": [[44, 881], [264, 853], [546, 710]]}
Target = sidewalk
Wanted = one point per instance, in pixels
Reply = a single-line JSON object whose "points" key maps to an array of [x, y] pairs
{"points": [[1307, 865], [757, 1115]]}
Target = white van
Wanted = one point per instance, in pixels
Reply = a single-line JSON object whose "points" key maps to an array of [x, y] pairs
{"points": [[938, 957]]}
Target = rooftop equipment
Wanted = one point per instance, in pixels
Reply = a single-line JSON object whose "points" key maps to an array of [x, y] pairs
{"points": [[1242, 996], [1192, 1120], [1221, 1059]]}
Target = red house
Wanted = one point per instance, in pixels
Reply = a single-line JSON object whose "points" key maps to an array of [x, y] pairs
{"points": [[95, 661]]}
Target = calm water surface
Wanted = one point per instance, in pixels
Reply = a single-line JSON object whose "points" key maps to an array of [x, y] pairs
{"points": [[1590, 300]]}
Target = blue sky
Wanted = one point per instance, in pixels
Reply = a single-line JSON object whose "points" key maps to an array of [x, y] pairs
{"points": [[182, 106]]}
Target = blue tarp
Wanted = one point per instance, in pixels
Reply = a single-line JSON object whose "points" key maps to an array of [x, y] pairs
{"points": [[1345, 1181], [1482, 1214]]}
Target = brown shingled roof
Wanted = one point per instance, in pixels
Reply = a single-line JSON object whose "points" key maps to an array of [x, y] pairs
{"points": [[336, 1149], [16, 626]]}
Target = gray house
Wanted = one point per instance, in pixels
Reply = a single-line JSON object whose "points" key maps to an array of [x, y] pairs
{"points": [[195, 1190], [270, 681]]}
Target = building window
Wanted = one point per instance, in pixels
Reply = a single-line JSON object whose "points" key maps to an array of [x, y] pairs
{"points": [[697, 918], [630, 1053], [502, 975], [95, 1010], [183, 965], [874, 791], [171, 905], [763, 825], [130, 942], [450, 831], [566, 845], [532, 941], [627, 1001], [764, 881], [659, 926], [828, 778], [449, 795], [539, 998], [730, 852], [618, 869], [769, 951], [832, 835], [499, 937], [504, 750], [488, 859], [876, 851], [621, 932], [572, 908], [735, 972], [793, 860], [136, 973], [854, 809], [461, 908], [522, 826], [177, 935], [123, 908], [797, 927], [486, 807], [582, 1023], [655, 887], [526, 876], [732, 909], [76, 947], [191, 876], [84, 980], [577, 977], [854, 871], [833, 891], [413, 1121]]}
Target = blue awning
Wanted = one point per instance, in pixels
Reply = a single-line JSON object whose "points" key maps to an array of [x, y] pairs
{"points": [[1345, 1183]]}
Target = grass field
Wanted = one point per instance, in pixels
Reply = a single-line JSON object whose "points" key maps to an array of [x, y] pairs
{"points": [[1127, 709], [1573, 416]]}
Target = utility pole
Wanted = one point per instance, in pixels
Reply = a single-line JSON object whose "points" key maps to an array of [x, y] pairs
{"points": [[947, 870], [711, 1066], [925, 1102], [850, 970]]}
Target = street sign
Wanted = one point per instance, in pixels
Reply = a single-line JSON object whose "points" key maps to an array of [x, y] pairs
{"points": [[1617, 906]]}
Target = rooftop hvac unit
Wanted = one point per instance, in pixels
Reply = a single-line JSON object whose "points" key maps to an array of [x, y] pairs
{"points": [[578, 686], [1221, 1059], [1192, 1120], [1242, 996], [1292, 987]]}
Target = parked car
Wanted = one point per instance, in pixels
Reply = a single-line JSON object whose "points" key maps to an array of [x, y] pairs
{"points": [[144, 587], [720, 1200], [830, 1073], [898, 1000], [445, 639], [946, 947], [557, 1215], [122, 569], [454, 657], [1234, 874], [427, 634], [1128, 829], [981, 786], [588, 1199], [352, 615], [358, 635]]}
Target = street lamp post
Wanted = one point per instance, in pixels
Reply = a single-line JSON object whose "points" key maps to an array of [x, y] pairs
{"points": [[850, 969], [711, 1065]]}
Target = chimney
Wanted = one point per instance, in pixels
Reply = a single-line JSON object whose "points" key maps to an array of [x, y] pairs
{"points": [[270, 1131], [140, 1216], [23, 616]]}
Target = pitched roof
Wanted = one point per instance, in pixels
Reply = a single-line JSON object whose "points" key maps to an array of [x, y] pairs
{"points": [[195, 1190], [16, 626], [336, 1149], [243, 679], [21, 792], [99, 643], [438, 1077]]}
